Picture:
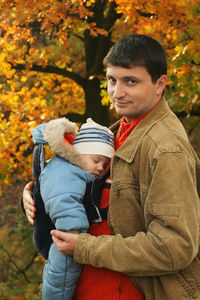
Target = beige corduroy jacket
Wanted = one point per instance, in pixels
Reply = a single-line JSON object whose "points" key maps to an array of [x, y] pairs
{"points": [[154, 212]]}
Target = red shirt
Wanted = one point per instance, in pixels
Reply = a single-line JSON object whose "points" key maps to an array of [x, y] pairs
{"points": [[101, 283]]}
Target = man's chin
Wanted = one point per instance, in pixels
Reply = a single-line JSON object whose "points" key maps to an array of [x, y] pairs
{"points": [[128, 116]]}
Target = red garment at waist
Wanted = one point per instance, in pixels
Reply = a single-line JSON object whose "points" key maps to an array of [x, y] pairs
{"points": [[104, 284], [101, 283]]}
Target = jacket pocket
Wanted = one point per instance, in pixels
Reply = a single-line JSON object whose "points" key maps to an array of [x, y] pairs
{"points": [[171, 210], [125, 212], [189, 279]]}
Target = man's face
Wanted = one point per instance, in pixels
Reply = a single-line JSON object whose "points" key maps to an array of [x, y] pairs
{"points": [[132, 91]]}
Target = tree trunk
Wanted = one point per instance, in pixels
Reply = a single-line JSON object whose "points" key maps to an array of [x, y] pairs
{"points": [[94, 109], [96, 48]]}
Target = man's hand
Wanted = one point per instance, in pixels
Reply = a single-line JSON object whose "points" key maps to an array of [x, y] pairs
{"points": [[65, 241], [29, 203]]}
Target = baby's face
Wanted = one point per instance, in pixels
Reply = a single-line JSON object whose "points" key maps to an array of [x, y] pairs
{"points": [[96, 164]]}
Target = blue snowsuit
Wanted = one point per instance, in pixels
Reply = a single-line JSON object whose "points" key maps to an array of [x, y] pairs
{"points": [[62, 186]]}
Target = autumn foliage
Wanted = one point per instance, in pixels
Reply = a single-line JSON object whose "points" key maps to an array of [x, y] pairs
{"points": [[51, 63], [51, 54]]}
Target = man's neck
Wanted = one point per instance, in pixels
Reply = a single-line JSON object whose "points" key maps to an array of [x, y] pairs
{"points": [[130, 119]]}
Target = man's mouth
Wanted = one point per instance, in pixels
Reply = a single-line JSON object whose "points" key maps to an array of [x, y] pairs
{"points": [[121, 103]]}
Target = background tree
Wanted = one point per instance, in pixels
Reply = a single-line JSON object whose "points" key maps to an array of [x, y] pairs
{"points": [[51, 62], [51, 54]]}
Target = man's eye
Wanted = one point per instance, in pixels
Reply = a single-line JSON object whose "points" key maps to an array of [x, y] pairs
{"points": [[131, 81], [111, 80]]}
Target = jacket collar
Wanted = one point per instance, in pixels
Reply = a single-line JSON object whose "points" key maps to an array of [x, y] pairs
{"points": [[128, 150]]}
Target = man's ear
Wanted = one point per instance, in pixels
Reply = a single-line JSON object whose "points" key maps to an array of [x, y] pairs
{"points": [[161, 84]]}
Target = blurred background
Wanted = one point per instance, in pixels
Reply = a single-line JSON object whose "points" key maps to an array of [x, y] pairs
{"points": [[51, 54]]}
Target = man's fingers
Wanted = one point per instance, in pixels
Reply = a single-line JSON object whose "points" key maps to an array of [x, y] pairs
{"points": [[28, 200], [29, 203], [58, 242], [28, 189], [65, 241], [30, 212], [63, 235], [29, 186], [30, 207], [30, 219], [58, 234]]}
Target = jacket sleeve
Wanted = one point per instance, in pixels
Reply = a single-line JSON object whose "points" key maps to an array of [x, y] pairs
{"points": [[62, 188], [171, 240]]}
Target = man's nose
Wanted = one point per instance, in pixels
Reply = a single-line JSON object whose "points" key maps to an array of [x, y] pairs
{"points": [[118, 91]]}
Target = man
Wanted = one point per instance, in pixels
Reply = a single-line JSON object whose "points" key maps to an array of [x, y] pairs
{"points": [[154, 209]]}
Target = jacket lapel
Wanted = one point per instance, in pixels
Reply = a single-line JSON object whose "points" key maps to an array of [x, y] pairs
{"points": [[129, 148]]}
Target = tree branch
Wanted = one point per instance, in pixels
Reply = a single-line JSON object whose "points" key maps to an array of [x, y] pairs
{"points": [[145, 14], [17, 268], [78, 118], [31, 262], [112, 16], [184, 114], [53, 70]]}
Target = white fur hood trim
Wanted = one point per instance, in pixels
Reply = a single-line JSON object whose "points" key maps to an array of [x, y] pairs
{"points": [[54, 136]]}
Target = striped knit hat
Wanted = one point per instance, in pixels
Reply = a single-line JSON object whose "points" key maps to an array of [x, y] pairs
{"points": [[94, 138]]}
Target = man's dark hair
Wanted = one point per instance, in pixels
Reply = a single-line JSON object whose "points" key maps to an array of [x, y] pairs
{"points": [[138, 50]]}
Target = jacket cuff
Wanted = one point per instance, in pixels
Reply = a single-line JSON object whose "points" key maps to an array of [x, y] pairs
{"points": [[83, 247]]}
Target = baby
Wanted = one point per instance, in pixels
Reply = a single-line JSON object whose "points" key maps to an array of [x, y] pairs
{"points": [[80, 157]]}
